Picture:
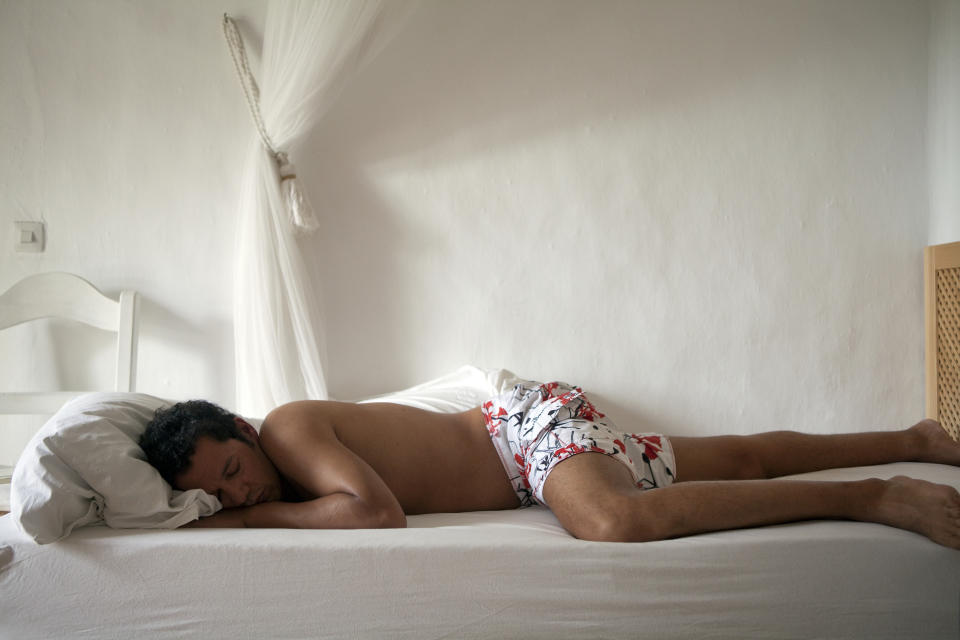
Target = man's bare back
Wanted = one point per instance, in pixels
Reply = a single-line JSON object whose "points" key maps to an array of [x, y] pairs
{"points": [[431, 462]]}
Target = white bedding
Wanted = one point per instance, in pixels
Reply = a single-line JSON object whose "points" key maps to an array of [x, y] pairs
{"points": [[486, 574]]}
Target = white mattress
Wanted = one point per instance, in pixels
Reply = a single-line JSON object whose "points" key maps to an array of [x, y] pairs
{"points": [[486, 574]]}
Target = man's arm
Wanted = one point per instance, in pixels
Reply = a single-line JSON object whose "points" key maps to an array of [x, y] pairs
{"points": [[303, 446], [334, 511]]}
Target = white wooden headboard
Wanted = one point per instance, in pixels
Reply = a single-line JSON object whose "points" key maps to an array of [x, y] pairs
{"points": [[64, 295]]}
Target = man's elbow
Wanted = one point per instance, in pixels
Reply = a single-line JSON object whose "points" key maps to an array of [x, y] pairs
{"points": [[390, 519]]}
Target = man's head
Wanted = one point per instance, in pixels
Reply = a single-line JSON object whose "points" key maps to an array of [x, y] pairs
{"points": [[198, 445]]}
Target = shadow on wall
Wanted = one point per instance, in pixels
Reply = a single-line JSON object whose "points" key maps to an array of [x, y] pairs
{"points": [[505, 72], [193, 351], [55, 354], [354, 265], [468, 77]]}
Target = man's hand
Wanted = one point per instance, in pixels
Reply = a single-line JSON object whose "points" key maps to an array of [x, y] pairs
{"points": [[334, 511]]}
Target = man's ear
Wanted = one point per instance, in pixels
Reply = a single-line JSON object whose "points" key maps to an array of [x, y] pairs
{"points": [[247, 429]]}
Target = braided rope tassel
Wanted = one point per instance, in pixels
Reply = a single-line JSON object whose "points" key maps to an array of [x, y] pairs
{"points": [[301, 213]]}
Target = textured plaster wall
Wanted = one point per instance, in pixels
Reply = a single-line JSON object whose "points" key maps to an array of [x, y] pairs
{"points": [[710, 214], [122, 130]]}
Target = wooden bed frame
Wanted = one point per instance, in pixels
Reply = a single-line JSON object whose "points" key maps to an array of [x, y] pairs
{"points": [[941, 275]]}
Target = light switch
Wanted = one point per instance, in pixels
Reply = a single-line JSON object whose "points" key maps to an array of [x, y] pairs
{"points": [[29, 236]]}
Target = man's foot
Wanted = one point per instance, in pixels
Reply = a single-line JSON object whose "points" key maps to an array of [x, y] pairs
{"points": [[929, 509], [935, 444]]}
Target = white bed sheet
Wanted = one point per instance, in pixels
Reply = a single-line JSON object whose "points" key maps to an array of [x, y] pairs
{"points": [[486, 574]]}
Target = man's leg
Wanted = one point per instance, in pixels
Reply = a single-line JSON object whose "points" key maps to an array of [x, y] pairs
{"points": [[594, 498], [781, 453]]}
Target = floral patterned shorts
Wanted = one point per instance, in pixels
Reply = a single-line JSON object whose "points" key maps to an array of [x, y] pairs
{"points": [[537, 425]]}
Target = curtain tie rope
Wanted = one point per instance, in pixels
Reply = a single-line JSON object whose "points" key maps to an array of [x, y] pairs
{"points": [[249, 84], [300, 210]]}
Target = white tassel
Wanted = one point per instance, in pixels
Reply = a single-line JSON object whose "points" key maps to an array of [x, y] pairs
{"points": [[301, 213]]}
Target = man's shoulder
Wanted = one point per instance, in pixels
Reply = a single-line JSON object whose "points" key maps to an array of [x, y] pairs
{"points": [[313, 409], [303, 418]]}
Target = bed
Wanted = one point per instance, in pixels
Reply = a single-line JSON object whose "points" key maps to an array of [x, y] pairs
{"points": [[486, 574], [468, 575]]}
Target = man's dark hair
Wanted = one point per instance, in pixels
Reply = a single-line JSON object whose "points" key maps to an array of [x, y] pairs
{"points": [[171, 437]]}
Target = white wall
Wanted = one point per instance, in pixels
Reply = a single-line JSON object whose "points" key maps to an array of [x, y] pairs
{"points": [[123, 130], [710, 214], [944, 124]]}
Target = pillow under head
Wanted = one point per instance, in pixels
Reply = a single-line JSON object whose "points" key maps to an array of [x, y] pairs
{"points": [[85, 466]]}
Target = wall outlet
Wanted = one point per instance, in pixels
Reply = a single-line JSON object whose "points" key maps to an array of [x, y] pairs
{"points": [[28, 236]]}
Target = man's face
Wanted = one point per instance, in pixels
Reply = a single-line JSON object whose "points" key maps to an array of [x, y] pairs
{"points": [[237, 472]]}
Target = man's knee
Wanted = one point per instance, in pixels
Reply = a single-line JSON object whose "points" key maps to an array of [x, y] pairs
{"points": [[620, 522]]}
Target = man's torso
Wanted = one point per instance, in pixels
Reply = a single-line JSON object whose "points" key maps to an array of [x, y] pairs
{"points": [[432, 462]]}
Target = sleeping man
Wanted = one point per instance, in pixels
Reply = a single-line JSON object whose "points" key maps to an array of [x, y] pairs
{"points": [[323, 464]]}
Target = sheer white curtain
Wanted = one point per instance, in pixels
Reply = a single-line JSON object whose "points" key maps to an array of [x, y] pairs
{"points": [[311, 49]]}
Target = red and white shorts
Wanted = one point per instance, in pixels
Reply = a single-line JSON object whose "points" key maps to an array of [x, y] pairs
{"points": [[537, 425]]}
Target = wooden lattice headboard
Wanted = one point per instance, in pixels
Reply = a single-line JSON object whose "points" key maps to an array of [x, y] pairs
{"points": [[942, 304]]}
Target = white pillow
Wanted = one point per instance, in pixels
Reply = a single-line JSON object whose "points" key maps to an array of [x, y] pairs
{"points": [[465, 388], [84, 465]]}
